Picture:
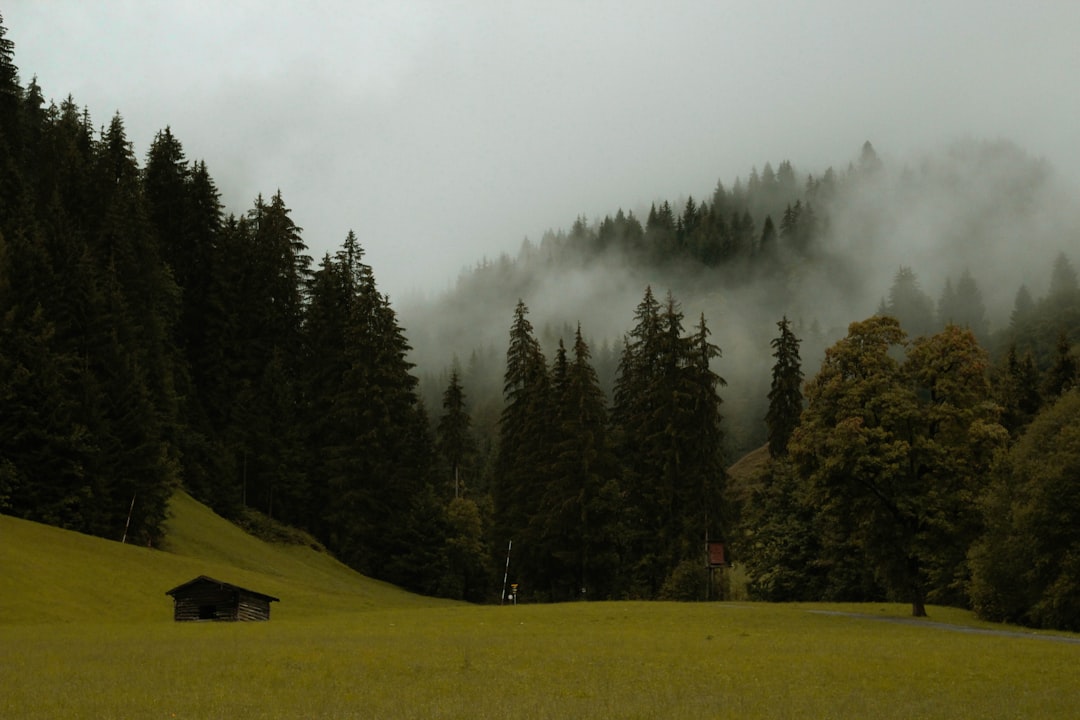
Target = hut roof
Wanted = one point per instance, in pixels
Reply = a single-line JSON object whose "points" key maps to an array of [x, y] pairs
{"points": [[204, 580]]}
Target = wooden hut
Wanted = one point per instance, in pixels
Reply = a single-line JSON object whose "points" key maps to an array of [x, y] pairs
{"points": [[205, 598]]}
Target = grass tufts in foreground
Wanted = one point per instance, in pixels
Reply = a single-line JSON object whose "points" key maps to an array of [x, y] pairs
{"points": [[607, 660]]}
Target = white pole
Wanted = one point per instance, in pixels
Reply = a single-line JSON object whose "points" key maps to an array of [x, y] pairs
{"points": [[506, 572], [128, 523]]}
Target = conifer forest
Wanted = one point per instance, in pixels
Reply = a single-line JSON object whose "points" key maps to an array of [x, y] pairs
{"points": [[578, 403]]}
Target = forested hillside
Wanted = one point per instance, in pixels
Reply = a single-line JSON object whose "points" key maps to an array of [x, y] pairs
{"points": [[975, 234], [579, 400], [149, 338]]}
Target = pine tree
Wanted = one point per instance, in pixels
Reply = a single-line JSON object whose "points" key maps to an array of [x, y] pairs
{"points": [[326, 319], [45, 448], [1062, 375], [165, 183], [1022, 309], [114, 311], [660, 233], [1063, 282], [186, 214], [789, 225], [524, 443], [909, 304], [869, 162], [946, 306], [10, 95], [268, 311], [1017, 390], [666, 422], [634, 414], [380, 450], [785, 395], [963, 306], [579, 520], [455, 442], [766, 247], [701, 502]]}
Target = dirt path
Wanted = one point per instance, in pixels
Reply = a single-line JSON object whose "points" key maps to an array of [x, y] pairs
{"points": [[920, 622]]}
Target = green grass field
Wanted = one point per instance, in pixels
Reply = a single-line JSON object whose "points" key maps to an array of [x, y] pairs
{"points": [[86, 631]]}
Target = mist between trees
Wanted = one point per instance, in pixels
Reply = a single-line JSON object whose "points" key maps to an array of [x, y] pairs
{"points": [[581, 398]]}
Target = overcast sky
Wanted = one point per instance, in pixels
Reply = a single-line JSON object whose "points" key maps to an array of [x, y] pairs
{"points": [[444, 132]]}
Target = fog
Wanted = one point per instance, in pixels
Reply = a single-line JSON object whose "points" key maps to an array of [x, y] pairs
{"points": [[988, 208], [454, 135], [983, 207], [444, 133]]}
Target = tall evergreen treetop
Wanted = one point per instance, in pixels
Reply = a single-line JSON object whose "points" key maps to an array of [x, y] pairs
{"points": [[9, 89], [1064, 373], [454, 440], [785, 395], [1063, 282], [909, 304]]}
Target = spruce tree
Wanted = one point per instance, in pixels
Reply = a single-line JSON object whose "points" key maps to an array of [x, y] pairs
{"points": [[909, 304], [1062, 375], [45, 447], [579, 521], [634, 413], [271, 285], [785, 395], [963, 305], [186, 215], [1063, 281], [704, 517], [666, 424], [380, 451], [1017, 391], [766, 247], [10, 95], [524, 444], [454, 439]]}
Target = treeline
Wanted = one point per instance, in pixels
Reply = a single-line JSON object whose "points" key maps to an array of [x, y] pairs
{"points": [[619, 504], [916, 469], [737, 236], [732, 229], [149, 340], [723, 243]]}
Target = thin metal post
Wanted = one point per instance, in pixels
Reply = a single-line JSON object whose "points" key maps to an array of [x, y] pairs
{"points": [[506, 573], [128, 523]]}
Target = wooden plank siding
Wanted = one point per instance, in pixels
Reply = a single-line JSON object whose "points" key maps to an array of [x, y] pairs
{"points": [[205, 598]]}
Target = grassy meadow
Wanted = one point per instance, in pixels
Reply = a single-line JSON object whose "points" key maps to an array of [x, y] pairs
{"points": [[86, 631]]}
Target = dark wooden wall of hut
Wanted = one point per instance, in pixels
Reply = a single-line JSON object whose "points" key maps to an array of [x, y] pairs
{"points": [[251, 607], [205, 602], [212, 603]]}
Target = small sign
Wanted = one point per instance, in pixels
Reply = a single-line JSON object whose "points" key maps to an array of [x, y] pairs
{"points": [[715, 552]]}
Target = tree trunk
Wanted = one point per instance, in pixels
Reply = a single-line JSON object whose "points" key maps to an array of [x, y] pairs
{"points": [[918, 597]]}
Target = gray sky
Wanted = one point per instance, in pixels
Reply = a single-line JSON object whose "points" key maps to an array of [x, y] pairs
{"points": [[444, 132]]}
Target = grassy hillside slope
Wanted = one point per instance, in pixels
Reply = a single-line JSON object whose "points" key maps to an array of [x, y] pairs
{"points": [[54, 575]]}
